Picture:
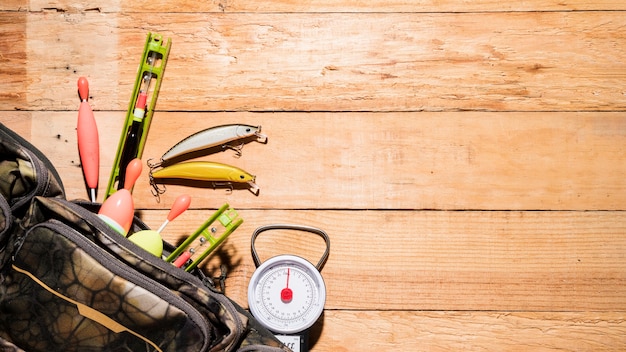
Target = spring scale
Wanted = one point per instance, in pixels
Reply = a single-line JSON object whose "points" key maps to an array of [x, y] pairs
{"points": [[287, 293]]}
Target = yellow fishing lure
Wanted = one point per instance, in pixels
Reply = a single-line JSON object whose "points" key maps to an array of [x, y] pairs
{"points": [[217, 174]]}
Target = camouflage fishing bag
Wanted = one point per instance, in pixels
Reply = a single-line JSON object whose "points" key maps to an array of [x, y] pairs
{"points": [[68, 282]]}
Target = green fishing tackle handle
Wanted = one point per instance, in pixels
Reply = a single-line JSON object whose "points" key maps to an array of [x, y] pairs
{"points": [[196, 233], [153, 62], [231, 226], [311, 229], [228, 217]]}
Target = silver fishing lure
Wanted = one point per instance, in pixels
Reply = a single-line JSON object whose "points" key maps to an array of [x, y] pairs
{"points": [[223, 135]]}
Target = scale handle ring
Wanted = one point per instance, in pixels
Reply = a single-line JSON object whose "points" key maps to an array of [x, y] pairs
{"points": [[304, 228]]}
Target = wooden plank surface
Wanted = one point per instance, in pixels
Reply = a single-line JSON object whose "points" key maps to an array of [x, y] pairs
{"points": [[470, 331], [454, 260], [337, 61], [14, 5], [439, 261], [489, 161], [290, 6], [13, 72], [466, 158]]}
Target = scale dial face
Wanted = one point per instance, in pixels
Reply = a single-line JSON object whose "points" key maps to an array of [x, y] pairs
{"points": [[286, 294]]}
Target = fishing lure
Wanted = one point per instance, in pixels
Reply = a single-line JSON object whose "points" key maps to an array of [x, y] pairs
{"points": [[223, 135], [206, 171]]}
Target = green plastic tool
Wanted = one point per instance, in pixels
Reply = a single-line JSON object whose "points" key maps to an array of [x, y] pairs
{"points": [[207, 236], [141, 108]]}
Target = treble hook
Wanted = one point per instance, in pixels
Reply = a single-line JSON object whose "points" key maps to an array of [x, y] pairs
{"points": [[156, 190], [228, 185], [236, 148], [152, 165]]}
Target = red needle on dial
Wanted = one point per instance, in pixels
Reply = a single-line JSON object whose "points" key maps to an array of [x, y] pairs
{"points": [[286, 294]]}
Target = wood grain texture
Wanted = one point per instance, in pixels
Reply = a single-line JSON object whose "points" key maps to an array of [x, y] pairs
{"points": [[13, 53], [14, 5], [470, 331], [434, 260], [490, 161], [337, 61], [291, 6], [466, 157]]}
